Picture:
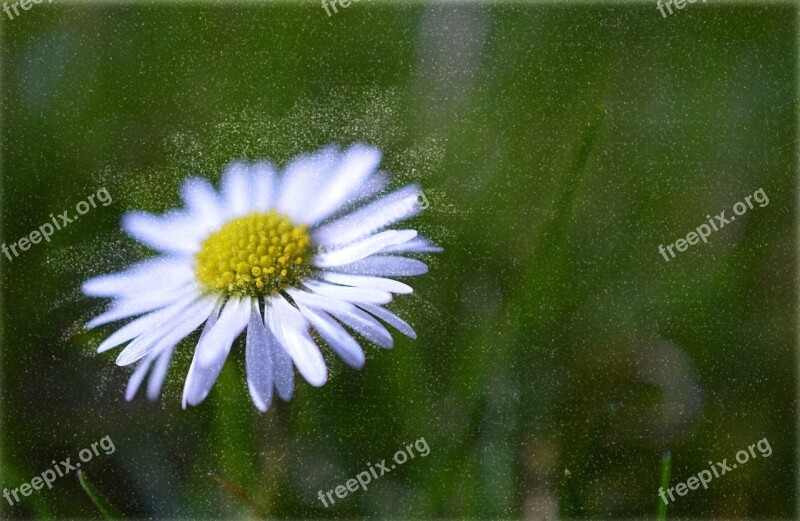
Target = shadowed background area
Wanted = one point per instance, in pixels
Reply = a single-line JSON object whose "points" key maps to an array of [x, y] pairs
{"points": [[558, 353]]}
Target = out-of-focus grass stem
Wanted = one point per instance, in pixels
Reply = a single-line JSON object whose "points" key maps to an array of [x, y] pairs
{"points": [[666, 465]]}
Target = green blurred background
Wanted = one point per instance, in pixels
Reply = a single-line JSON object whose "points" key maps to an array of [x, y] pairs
{"points": [[558, 355]]}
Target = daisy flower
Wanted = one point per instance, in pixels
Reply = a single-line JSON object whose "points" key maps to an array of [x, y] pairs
{"points": [[274, 256]]}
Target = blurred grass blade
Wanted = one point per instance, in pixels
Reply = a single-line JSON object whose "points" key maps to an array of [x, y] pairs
{"points": [[573, 178], [105, 508], [552, 236], [238, 492], [571, 502], [587, 140], [666, 465]]}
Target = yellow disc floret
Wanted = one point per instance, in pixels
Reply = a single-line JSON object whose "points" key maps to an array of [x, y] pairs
{"points": [[256, 255]]}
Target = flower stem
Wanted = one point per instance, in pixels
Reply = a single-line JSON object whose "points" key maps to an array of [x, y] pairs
{"points": [[102, 504]]}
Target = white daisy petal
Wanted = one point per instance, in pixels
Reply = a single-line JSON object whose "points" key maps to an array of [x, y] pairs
{"points": [[385, 266], [283, 371], [231, 322], [348, 314], [142, 346], [174, 233], [214, 347], [348, 293], [236, 189], [168, 334], [125, 308], [141, 325], [292, 332], [374, 184], [156, 380], [365, 325], [140, 278], [362, 281], [202, 199], [390, 318], [336, 336], [137, 377], [258, 361], [316, 300], [198, 375], [355, 165], [361, 249], [156, 295], [395, 207], [186, 323], [263, 188], [301, 180], [416, 245]]}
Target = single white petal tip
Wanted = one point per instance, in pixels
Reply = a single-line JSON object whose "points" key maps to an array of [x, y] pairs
{"points": [[303, 261]]}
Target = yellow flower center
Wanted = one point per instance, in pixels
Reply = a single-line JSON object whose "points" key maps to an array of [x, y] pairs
{"points": [[256, 255]]}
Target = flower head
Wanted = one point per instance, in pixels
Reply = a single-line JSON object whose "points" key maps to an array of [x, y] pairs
{"points": [[277, 256]]}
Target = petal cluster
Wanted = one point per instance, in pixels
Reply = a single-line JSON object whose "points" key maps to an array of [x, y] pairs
{"points": [[340, 198]]}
